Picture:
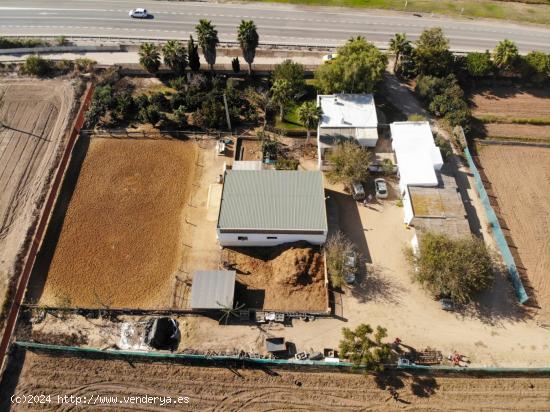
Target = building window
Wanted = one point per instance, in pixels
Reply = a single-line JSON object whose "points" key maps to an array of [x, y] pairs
{"points": [[272, 237], [242, 237]]}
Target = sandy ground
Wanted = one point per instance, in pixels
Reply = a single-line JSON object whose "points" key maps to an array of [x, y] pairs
{"points": [[36, 117], [520, 180], [225, 389], [283, 279], [511, 101], [517, 130], [121, 240]]}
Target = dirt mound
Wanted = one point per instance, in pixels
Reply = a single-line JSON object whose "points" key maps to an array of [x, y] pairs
{"points": [[297, 267]]}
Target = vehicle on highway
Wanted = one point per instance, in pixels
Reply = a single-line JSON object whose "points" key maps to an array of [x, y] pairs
{"points": [[357, 191], [138, 13], [381, 188], [329, 57]]}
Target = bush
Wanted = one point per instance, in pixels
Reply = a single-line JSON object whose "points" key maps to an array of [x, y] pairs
{"points": [[103, 96], [84, 65], [159, 99], [124, 106], [36, 66], [444, 146], [416, 118], [211, 114], [294, 74], [236, 65], [150, 114], [535, 66], [349, 163], [180, 117], [286, 164], [479, 64], [64, 66], [179, 83], [337, 248], [15, 43], [432, 55], [456, 268], [362, 350], [141, 101]]}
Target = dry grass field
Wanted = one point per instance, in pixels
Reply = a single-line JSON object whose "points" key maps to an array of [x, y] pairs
{"points": [[35, 116], [519, 178], [525, 131], [225, 389], [121, 239]]}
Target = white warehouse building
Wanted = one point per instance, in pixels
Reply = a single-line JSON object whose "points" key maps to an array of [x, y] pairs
{"points": [[345, 116], [271, 207]]}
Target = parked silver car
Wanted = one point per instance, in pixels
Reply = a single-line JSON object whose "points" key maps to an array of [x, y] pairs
{"points": [[381, 188]]}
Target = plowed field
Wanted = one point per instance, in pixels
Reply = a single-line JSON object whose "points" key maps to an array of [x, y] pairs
{"points": [[512, 101], [520, 180], [35, 116], [121, 240], [224, 389]]}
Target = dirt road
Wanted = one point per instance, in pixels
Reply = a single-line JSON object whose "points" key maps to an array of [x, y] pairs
{"points": [[224, 389]]}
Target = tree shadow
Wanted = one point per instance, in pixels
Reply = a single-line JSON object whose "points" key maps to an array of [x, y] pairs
{"points": [[10, 378], [372, 285], [424, 386]]}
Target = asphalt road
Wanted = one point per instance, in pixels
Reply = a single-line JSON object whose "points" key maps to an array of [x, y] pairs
{"points": [[278, 24]]}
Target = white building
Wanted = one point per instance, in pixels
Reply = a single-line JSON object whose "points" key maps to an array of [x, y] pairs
{"points": [[345, 116], [271, 207]]}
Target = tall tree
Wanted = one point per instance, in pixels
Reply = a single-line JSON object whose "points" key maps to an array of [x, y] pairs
{"points": [[208, 40], [281, 94], [248, 39], [349, 163], [398, 44], [363, 350], [294, 73], [194, 59], [505, 55], [432, 54], [309, 114], [357, 69], [149, 57], [175, 56]]}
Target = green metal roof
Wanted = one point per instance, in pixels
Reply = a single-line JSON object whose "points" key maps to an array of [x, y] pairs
{"points": [[273, 199]]}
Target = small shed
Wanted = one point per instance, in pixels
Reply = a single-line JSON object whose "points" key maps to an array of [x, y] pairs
{"points": [[213, 289]]}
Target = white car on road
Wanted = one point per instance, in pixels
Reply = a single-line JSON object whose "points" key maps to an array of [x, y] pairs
{"points": [[329, 57], [381, 188], [138, 13]]}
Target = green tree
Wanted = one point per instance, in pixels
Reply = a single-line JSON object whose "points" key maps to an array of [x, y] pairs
{"points": [[281, 95], [349, 163], [452, 267], [194, 59], [236, 65], [479, 64], [338, 246], [294, 74], [432, 55], [35, 65], [149, 57], [365, 349], [180, 117], [536, 66], [248, 40], [505, 55], [175, 56], [358, 68], [207, 36], [399, 44], [150, 114], [309, 115]]}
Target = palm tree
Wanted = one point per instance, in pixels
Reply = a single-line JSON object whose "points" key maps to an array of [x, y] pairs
{"points": [[193, 52], [248, 39], [281, 94], [309, 114], [505, 55], [208, 40], [175, 56], [398, 43], [149, 57]]}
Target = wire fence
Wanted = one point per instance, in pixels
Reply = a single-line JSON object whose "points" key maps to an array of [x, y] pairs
{"points": [[500, 239]]}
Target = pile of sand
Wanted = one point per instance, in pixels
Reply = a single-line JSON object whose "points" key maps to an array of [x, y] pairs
{"points": [[296, 268]]}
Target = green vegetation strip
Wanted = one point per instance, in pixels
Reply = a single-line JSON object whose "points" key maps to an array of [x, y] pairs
{"points": [[533, 13], [537, 121]]}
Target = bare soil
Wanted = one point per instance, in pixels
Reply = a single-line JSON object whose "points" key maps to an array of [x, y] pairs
{"points": [[227, 389], [285, 278], [251, 150], [35, 116], [518, 130], [512, 101], [121, 239], [519, 179]]}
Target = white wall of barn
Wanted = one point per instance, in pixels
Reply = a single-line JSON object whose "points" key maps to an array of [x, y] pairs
{"points": [[266, 239]]}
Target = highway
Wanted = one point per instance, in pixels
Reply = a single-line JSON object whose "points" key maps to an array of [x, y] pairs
{"points": [[277, 24]]}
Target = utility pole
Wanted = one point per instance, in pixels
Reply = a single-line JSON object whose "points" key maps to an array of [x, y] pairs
{"points": [[227, 112]]}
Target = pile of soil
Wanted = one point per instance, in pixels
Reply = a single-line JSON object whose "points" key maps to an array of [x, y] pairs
{"points": [[287, 278]]}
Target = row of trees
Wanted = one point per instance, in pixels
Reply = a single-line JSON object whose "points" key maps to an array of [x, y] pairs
{"points": [[177, 57]]}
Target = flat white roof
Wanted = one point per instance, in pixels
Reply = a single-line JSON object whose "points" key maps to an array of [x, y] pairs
{"points": [[416, 153], [347, 110]]}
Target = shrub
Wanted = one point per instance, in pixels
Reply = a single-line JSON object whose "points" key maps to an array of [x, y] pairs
{"points": [[286, 164], [432, 55], [36, 66], [178, 83], [64, 66], [456, 268], [294, 74], [15, 43], [84, 65], [180, 117], [535, 66], [150, 114], [479, 64], [159, 99], [211, 114], [337, 248], [236, 65], [416, 118], [61, 41], [362, 350], [103, 96], [444, 146], [349, 163], [124, 106]]}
